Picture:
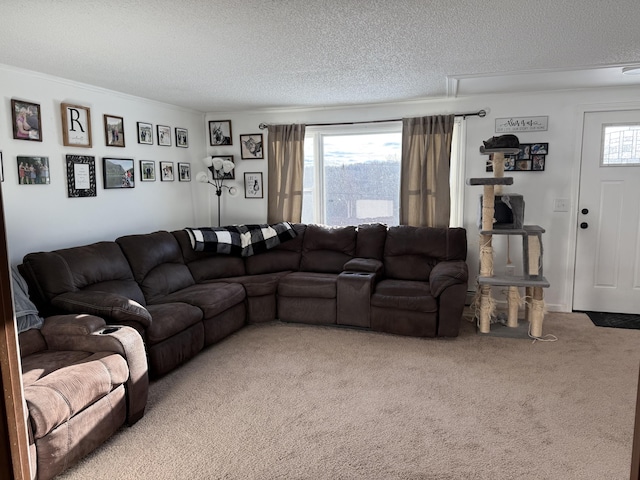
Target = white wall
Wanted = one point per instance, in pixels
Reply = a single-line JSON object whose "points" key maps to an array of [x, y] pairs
{"points": [[42, 217], [559, 180]]}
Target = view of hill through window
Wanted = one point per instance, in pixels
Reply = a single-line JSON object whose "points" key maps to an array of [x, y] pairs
{"points": [[359, 178]]}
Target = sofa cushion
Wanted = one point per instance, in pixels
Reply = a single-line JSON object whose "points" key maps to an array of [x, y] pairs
{"points": [[326, 249], [404, 295], [58, 396], [284, 257], [258, 285], [156, 262], [211, 298], [41, 364], [370, 240], [169, 319], [411, 252], [308, 284]]}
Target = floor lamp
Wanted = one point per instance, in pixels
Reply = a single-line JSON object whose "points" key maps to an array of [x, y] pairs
{"points": [[221, 170]]}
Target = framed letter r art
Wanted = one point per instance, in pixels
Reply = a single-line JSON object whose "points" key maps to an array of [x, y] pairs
{"points": [[76, 125]]}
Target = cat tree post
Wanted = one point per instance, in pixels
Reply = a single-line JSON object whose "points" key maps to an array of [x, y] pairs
{"points": [[537, 312], [498, 169], [486, 258]]}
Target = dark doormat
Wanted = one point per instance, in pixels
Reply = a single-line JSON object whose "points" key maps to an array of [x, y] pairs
{"points": [[614, 320]]}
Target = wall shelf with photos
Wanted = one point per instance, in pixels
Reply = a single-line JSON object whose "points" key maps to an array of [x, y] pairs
{"points": [[531, 158]]}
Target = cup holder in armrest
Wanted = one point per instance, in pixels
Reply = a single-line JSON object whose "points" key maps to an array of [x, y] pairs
{"points": [[108, 330]]}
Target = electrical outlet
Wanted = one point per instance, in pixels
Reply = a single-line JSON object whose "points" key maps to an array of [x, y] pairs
{"points": [[561, 205]]}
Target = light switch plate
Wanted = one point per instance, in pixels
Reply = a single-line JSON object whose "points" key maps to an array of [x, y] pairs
{"points": [[561, 205]]}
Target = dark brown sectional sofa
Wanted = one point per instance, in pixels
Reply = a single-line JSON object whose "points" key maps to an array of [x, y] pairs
{"points": [[120, 311], [402, 280]]}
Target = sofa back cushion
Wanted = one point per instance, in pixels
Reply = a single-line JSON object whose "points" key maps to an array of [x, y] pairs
{"points": [[100, 267], [411, 252], [157, 264], [208, 265], [370, 241], [326, 249], [284, 257]]}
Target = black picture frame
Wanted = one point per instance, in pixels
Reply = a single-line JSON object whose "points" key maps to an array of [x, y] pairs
{"points": [[1, 168], [145, 133], [164, 135], [166, 172], [33, 170], [220, 133], [147, 171], [182, 137], [184, 172], [26, 120], [253, 187], [251, 146], [81, 176], [118, 173]]}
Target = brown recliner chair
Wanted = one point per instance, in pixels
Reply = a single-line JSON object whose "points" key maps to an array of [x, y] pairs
{"points": [[82, 381]]}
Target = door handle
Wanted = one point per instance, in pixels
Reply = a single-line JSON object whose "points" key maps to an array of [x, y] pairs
{"points": [[584, 225]]}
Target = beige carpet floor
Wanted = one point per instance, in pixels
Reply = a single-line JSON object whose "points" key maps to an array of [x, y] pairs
{"points": [[286, 401]]}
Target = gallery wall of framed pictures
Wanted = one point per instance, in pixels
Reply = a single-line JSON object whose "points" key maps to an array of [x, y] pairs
{"points": [[532, 157], [81, 170]]}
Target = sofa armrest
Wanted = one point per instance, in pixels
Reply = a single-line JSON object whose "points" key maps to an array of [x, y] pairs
{"points": [[367, 265], [89, 333], [446, 274], [110, 306]]}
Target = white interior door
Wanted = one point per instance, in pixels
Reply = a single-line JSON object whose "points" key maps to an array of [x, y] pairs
{"points": [[607, 272]]}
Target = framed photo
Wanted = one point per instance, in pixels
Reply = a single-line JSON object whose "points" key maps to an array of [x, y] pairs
{"points": [[76, 125], [145, 133], [525, 152], [166, 171], [220, 132], [523, 165], [539, 148], [1, 169], [164, 135], [114, 131], [251, 147], [226, 176], [33, 170], [537, 163], [81, 176], [147, 170], [26, 120], [182, 137], [253, 185], [184, 172], [118, 173]]}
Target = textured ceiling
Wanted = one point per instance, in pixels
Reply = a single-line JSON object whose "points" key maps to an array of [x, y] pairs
{"points": [[224, 55]]}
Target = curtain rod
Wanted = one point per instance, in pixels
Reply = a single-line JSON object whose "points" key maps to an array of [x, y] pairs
{"points": [[479, 113]]}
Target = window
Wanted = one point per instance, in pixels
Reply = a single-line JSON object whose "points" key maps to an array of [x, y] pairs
{"points": [[620, 145], [352, 174]]}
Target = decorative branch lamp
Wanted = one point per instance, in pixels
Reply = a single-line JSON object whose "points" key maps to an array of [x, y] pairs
{"points": [[218, 168]]}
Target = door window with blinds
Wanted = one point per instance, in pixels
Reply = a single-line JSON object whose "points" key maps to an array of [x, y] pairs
{"points": [[620, 145]]}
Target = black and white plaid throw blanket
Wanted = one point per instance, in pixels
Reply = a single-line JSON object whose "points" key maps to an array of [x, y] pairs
{"points": [[241, 240]]}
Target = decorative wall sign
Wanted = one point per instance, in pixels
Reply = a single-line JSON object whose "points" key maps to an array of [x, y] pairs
{"points": [[253, 185], [76, 125], [81, 176], [521, 124]]}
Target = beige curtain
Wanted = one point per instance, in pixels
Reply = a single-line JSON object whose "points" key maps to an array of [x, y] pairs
{"points": [[285, 169], [424, 177]]}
